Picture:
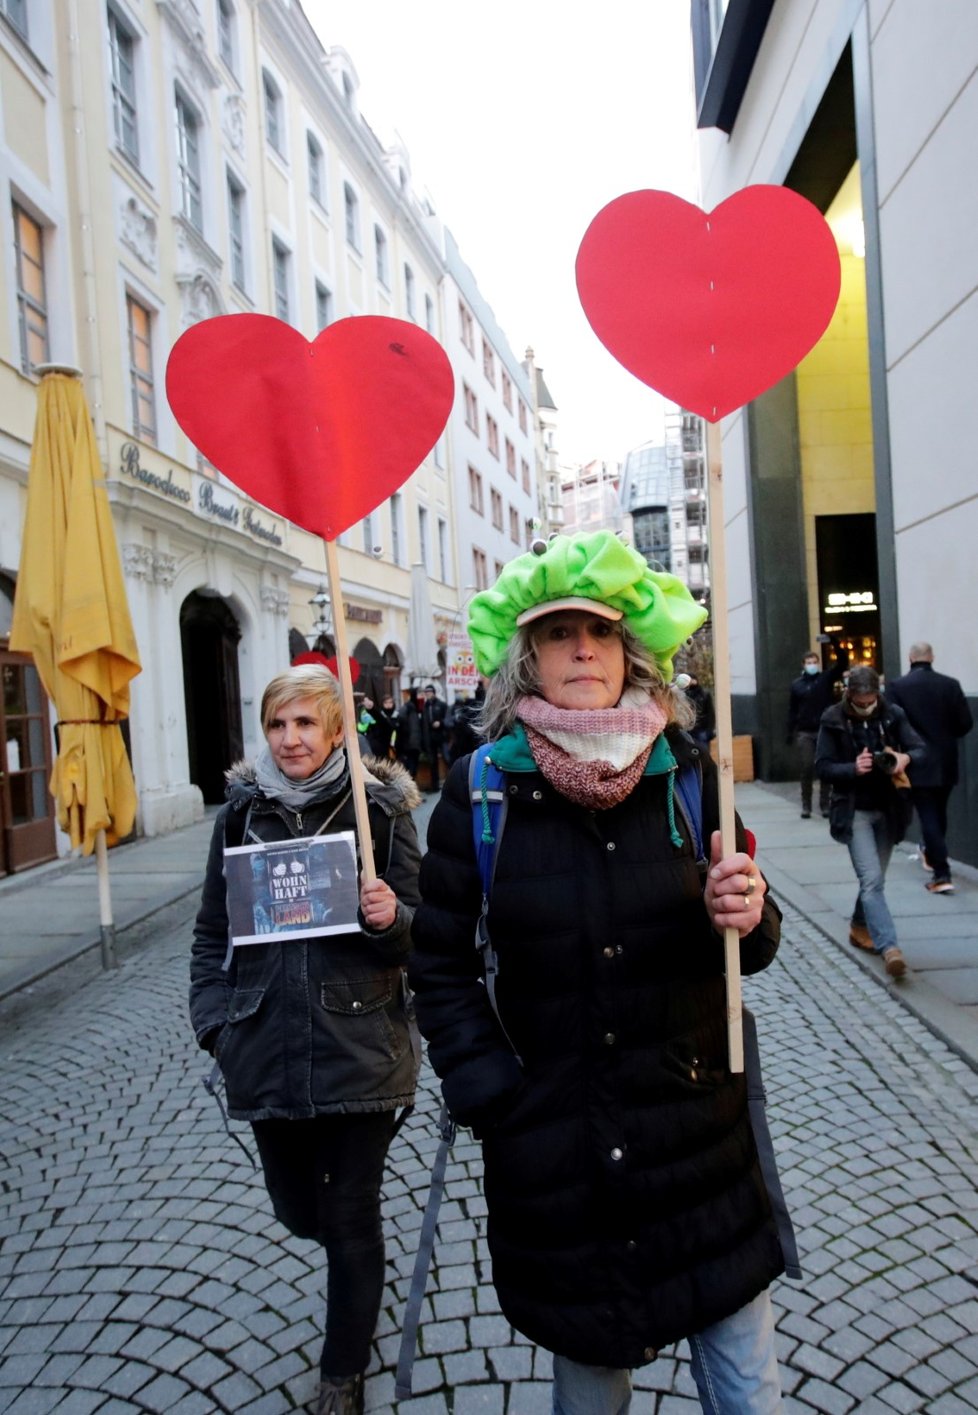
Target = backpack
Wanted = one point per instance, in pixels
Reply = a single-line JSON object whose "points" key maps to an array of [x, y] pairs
{"points": [[489, 808]]}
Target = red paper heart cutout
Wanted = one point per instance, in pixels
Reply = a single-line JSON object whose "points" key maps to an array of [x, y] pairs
{"points": [[709, 309], [321, 433], [313, 656]]}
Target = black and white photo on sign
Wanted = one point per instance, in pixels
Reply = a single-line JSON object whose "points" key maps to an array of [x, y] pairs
{"points": [[288, 889]]}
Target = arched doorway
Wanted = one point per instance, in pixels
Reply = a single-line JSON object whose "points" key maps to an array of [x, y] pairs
{"points": [[393, 663], [209, 636], [371, 683]]}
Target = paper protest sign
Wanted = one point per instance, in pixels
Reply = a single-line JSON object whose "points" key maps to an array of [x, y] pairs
{"points": [[287, 889]]}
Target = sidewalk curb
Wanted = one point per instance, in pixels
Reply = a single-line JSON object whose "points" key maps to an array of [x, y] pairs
{"points": [[31, 975], [944, 1018]]}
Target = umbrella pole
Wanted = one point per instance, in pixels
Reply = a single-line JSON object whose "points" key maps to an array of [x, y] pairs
{"points": [[107, 927], [724, 725], [368, 872]]}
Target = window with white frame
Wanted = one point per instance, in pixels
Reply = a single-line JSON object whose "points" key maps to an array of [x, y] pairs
{"points": [[525, 473], [139, 328], [32, 308], [492, 435], [227, 39], [122, 48], [439, 453], [522, 416], [429, 314], [314, 157], [280, 278], [409, 297], [471, 409], [507, 391], [16, 13], [324, 306], [514, 525], [188, 162], [351, 214], [236, 231], [368, 533], [274, 116], [423, 535], [480, 568], [475, 492], [496, 505], [380, 253], [466, 327], [488, 362], [396, 528], [443, 549]]}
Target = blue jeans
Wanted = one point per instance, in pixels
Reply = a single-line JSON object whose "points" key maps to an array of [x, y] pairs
{"points": [[734, 1366], [870, 849]]}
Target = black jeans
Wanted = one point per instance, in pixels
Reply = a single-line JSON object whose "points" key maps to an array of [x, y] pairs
{"points": [[931, 806], [323, 1177], [806, 759]]}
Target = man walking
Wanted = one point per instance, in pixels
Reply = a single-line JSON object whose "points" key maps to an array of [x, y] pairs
{"points": [[810, 694], [938, 711]]}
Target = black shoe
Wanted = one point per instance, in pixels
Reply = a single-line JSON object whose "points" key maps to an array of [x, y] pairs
{"points": [[340, 1395], [806, 815]]}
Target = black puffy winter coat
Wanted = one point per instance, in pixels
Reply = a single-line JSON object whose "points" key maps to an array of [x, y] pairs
{"points": [[310, 1026], [626, 1205]]}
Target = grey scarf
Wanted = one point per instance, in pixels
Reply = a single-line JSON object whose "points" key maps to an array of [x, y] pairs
{"points": [[300, 795]]}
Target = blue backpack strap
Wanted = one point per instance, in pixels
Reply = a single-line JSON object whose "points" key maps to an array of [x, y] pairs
{"points": [[489, 804], [689, 794]]}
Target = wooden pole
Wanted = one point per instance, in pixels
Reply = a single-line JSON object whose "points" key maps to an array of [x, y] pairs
{"points": [[724, 737], [368, 872]]}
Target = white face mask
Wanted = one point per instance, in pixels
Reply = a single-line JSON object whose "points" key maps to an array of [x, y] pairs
{"points": [[811, 667], [864, 711]]}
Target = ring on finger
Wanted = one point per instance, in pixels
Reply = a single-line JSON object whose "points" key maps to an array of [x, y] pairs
{"points": [[751, 886]]}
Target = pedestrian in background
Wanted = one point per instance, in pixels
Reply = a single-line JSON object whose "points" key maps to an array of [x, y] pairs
{"points": [[433, 732], [626, 1202], [704, 729], [938, 711], [865, 745], [381, 731], [408, 735], [810, 694], [314, 1036]]}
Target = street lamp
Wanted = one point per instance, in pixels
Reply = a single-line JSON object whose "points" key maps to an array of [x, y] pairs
{"points": [[320, 603]]}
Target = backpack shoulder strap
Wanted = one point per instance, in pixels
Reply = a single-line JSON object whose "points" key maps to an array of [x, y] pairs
{"points": [[689, 795], [489, 803]]}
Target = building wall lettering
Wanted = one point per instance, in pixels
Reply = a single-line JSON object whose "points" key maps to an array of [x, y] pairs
{"points": [[129, 465], [208, 505], [366, 616], [258, 528]]}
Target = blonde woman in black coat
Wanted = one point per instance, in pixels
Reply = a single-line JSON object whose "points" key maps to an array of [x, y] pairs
{"points": [[626, 1204], [315, 1035]]}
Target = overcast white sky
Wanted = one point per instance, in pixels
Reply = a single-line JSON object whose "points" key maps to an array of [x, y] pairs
{"points": [[522, 121]]}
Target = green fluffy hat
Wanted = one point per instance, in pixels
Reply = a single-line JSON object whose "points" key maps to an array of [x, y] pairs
{"points": [[581, 572]]}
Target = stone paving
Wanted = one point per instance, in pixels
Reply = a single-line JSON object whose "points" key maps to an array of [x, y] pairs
{"points": [[141, 1270]]}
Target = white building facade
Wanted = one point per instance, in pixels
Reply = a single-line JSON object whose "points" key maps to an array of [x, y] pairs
{"points": [[851, 495], [161, 163]]}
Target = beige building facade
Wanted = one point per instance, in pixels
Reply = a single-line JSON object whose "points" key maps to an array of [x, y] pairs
{"points": [[161, 162]]}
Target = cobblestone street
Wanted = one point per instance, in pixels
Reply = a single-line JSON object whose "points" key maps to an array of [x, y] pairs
{"points": [[140, 1269]]}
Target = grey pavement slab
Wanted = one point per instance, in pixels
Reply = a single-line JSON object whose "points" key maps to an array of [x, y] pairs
{"points": [[141, 1269]]}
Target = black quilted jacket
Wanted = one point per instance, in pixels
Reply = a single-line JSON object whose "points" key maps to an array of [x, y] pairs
{"points": [[626, 1206]]}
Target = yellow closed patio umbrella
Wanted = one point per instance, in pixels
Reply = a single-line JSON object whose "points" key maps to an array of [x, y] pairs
{"points": [[72, 616]]}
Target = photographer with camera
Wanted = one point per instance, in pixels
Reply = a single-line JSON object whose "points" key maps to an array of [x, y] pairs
{"points": [[865, 745]]}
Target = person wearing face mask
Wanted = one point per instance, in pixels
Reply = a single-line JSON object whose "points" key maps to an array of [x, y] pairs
{"points": [[810, 694], [864, 748]]}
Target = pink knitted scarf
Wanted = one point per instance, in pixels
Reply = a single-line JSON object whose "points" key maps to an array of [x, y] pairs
{"points": [[594, 757]]}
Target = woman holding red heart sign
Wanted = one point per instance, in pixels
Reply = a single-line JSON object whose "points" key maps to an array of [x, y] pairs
{"points": [[313, 1030], [629, 1203]]}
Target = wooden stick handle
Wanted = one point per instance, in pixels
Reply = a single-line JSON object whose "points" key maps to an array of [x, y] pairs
{"points": [[724, 738], [368, 872]]}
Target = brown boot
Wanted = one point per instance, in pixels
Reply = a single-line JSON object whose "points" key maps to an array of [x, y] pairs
{"points": [[893, 961], [859, 937]]}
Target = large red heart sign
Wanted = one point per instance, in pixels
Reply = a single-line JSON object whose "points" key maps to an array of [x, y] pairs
{"points": [[320, 433], [710, 309]]}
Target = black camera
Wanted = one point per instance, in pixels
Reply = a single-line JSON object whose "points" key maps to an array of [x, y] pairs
{"points": [[885, 761]]}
